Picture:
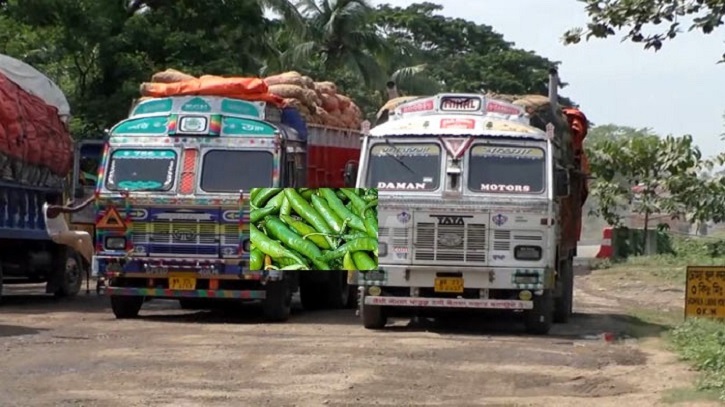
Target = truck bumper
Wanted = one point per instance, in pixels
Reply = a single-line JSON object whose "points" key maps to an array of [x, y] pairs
{"points": [[166, 293], [489, 278], [447, 303]]}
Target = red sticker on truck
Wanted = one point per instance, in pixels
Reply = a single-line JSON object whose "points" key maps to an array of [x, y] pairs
{"points": [[458, 123]]}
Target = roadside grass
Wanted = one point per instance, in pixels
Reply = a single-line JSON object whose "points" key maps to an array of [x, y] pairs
{"points": [[700, 342]]}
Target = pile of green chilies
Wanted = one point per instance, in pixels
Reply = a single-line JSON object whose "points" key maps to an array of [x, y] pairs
{"points": [[314, 229]]}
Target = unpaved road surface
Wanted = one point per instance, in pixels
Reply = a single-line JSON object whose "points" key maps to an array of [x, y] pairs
{"points": [[74, 353]]}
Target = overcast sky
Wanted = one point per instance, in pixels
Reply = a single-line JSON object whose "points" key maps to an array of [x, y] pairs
{"points": [[678, 90]]}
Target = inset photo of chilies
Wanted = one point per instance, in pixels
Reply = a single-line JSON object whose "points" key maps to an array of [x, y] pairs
{"points": [[314, 229]]}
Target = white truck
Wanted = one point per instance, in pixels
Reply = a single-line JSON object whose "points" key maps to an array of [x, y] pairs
{"points": [[479, 207]]}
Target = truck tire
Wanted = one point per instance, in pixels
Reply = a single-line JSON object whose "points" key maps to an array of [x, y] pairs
{"points": [[538, 321], [71, 279], [126, 307], [277, 305], [1, 282], [337, 291], [564, 304], [373, 317]]}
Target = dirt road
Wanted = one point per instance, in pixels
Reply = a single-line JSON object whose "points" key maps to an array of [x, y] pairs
{"points": [[74, 353]]}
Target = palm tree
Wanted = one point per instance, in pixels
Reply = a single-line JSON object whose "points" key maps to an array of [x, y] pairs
{"points": [[342, 35]]}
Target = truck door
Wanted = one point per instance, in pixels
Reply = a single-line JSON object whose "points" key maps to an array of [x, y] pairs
{"points": [[87, 158]]}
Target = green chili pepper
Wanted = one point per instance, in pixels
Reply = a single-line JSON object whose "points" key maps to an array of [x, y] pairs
{"points": [[363, 262], [357, 202], [285, 208], [254, 193], [326, 212], [367, 244], [371, 223], [308, 213], [280, 231], [265, 195], [270, 247], [256, 259], [340, 210], [259, 214], [306, 231], [347, 263], [307, 193]]}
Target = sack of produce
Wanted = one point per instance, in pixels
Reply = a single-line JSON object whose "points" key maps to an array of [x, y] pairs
{"points": [[330, 103], [326, 87], [285, 78], [308, 83], [170, 76], [344, 102], [288, 91]]}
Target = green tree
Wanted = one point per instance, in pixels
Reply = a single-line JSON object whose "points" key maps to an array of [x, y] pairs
{"points": [[666, 171], [460, 55], [637, 18]]}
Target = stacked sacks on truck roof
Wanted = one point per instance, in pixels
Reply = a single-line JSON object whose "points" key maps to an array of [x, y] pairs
{"points": [[35, 144], [319, 102]]}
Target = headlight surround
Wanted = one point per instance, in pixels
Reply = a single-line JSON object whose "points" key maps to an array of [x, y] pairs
{"points": [[382, 249], [528, 253], [115, 243]]}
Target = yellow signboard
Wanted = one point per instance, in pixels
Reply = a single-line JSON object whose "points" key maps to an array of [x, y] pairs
{"points": [[705, 295]]}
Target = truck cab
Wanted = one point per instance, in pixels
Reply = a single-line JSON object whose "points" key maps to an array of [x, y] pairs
{"points": [[470, 208], [172, 209]]}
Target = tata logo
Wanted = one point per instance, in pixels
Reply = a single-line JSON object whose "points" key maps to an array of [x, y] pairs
{"points": [[184, 235], [451, 220]]}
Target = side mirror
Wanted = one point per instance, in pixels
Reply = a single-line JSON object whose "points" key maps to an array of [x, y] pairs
{"points": [[561, 182], [350, 174], [78, 193]]}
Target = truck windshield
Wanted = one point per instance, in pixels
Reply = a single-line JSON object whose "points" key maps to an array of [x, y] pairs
{"points": [[231, 171], [506, 169], [141, 170], [404, 166]]}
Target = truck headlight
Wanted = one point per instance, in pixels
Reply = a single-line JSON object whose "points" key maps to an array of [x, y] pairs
{"points": [[382, 249], [528, 253], [115, 243]]}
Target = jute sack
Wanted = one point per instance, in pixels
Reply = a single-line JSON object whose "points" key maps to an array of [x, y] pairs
{"points": [[170, 76]]}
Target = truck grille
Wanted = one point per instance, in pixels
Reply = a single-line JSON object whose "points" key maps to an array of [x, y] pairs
{"points": [[451, 243], [182, 238]]}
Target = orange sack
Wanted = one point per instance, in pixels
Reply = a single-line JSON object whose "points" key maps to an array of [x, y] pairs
{"points": [[253, 89]]}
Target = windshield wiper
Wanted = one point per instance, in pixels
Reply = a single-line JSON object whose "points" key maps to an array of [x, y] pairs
{"points": [[396, 158]]}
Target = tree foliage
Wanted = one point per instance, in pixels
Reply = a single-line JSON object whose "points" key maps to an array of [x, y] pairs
{"points": [[99, 52], [637, 18], [637, 170]]}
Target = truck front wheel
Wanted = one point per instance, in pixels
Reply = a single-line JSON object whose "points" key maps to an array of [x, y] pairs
{"points": [[71, 274], [374, 317], [277, 304], [126, 307], [538, 320]]}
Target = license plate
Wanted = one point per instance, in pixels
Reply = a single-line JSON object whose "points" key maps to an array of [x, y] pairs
{"points": [[448, 285], [182, 282]]}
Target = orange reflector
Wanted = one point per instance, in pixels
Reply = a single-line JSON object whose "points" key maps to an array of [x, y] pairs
{"points": [[213, 284]]}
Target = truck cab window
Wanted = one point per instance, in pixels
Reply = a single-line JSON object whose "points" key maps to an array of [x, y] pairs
{"points": [[234, 170]]}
